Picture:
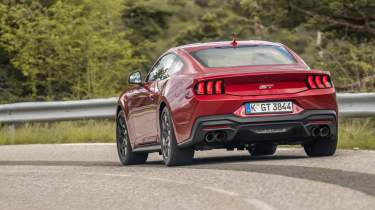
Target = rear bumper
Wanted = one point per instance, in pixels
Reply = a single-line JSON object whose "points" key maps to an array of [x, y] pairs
{"points": [[281, 129]]}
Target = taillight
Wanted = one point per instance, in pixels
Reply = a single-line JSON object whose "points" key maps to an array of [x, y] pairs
{"points": [[319, 82], [210, 87]]}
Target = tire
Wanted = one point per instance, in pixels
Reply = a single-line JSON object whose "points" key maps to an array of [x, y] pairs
{"points": [[172, 155], [124, 149], [321, 147], [263, 149]]}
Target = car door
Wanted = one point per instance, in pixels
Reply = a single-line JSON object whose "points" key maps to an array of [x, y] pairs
{"points": [[139, 104], [145, 122]]}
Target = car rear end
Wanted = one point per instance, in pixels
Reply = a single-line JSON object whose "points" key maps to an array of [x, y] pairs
{"points": [[242, 106]]}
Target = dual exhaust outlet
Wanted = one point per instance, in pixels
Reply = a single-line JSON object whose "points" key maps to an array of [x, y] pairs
{"points": [[220, 136], [217, 136], [321, 131]]}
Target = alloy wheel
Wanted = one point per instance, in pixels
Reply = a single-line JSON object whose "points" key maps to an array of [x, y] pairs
{"points": [[122, 137], [166, 136]]}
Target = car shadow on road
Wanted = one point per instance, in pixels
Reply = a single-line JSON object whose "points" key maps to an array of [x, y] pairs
{"points": [[243, 158], [152, 163], [231, 159]]}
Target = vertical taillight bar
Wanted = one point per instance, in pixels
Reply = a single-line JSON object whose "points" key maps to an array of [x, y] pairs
{"points": [[210, 87], [327, 81], [318, 81], [310, 82], [219, 87], [200, 88]]}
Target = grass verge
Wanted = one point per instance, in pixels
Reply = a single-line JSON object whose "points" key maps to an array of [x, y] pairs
{"points": [[353, 133], [90, 131], [357, 134]]}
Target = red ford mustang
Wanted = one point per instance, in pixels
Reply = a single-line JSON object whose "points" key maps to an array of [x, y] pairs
{"points": [[251, 95]]}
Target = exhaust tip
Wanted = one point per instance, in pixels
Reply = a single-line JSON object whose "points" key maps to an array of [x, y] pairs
{"points": [[315, 131], [324, 131], [210, 137], [220, 136]]}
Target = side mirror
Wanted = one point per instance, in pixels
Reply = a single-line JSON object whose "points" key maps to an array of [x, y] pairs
{"points": [[135, 78]]}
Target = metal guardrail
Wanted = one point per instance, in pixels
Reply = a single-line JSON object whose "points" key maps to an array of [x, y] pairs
{"points": [[356, 104], [350, 105], [58, 111]]}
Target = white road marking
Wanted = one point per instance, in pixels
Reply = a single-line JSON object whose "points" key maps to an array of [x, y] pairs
{"points": [[218, 190], [258, 204], [222, 191]]}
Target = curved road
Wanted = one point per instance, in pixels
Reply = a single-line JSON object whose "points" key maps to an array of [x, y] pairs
{"points": [[89, 176]]}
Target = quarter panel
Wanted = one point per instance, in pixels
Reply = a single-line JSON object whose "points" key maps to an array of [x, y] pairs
{"points": [[179, 96]]}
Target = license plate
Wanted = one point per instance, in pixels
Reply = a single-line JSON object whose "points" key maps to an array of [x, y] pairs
{"points": [[269, 107]]}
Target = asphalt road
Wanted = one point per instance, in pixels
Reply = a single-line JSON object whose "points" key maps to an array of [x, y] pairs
{"points": [[89, 176]]}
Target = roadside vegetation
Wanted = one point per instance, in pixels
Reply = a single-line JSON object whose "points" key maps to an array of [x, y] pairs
{"points": [[80, 49], [357, 134], [353, 133], [90, 131]]}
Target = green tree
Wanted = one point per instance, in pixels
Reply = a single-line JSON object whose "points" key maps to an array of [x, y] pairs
{"points": [[348, 44], [67, 50], [75, 49]]}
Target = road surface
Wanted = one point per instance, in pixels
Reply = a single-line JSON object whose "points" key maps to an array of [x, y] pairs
{"points": [[89, 176]]}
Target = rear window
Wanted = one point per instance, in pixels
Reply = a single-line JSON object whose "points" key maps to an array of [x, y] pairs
{"points": [[243, 56]]}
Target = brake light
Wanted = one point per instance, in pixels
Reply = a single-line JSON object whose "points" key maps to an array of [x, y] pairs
{"points": [[210, 87], [319, 82]]}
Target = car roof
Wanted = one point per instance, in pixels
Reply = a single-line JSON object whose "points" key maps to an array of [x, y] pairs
{"points": [[200, 46]]}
